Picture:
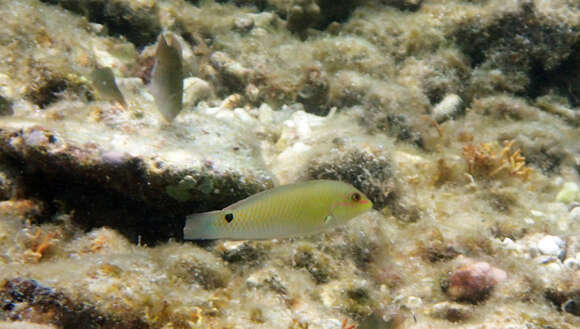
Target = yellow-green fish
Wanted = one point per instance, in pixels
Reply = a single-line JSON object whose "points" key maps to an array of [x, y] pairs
{"points": [[285, 211]]}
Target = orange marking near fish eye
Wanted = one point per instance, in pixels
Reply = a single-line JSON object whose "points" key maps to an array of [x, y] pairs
{"points": [[334, 205], [364, 201]]}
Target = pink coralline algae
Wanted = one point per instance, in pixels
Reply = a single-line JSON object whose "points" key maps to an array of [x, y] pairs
{"points": [[474, 281]]}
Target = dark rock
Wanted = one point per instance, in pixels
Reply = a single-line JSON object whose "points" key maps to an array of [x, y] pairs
{"points": [[192, 266], [243, 23], [233, 77], [336, 11], [50, 88], [572, 306], [398, 126], [192, 273], [22, 299], [358, 294], [8, 181], [5, 106], [315, 263], [259, 4], [521, 42], [314, 93], [119, 191], [257, 316], [359, 302], [244, 253], [435, 249], [267, 279], [564, 79], [302, 14], [375, 321], [363, 252], [452, 312], [500, 201], [520, 39], [139, 25], [404, 212], [412, 5], [318, 14], [566, 297], [546, 157], [371, 174]]}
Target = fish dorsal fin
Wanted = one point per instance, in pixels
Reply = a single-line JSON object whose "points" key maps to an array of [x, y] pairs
{"points": [[271, 192], [328, 218], [249, 199]]}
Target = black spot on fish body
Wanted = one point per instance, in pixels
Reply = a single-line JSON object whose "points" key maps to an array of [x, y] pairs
{"points": [[229, 217]]}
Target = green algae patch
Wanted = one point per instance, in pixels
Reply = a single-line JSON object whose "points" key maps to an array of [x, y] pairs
{"points": [[182, 191], [569, 193]]}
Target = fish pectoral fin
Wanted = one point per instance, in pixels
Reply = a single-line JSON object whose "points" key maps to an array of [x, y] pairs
{"points": [[328, 218]]}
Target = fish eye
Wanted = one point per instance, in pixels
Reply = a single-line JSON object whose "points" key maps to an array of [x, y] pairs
{"points": [[355, 197]]}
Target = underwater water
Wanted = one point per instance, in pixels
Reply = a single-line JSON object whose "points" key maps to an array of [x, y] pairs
{"points": [[153, 156]]}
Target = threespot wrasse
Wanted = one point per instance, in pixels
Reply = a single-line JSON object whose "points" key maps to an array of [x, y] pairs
{"points": [[284, 211]]}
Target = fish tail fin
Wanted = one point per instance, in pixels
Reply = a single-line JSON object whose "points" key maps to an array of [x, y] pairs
{"points": [[200, 226]]}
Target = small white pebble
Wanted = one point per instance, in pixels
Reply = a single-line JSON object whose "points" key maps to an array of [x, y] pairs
{"points": [[252, 92], [232, 245], [266, 115], [572, 264], [450, 106], [195, 89], [213, 111], [509, 244], [244, 117], [552, 245], [570, 192], [537, 213], [554, 267], [225, 115], [414, 302], [574, 215]]}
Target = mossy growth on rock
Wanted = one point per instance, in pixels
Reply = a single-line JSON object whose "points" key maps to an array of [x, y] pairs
{"points": [[520, 42], [139, 24], [27, 299], [51, 87], [370, 173]]}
